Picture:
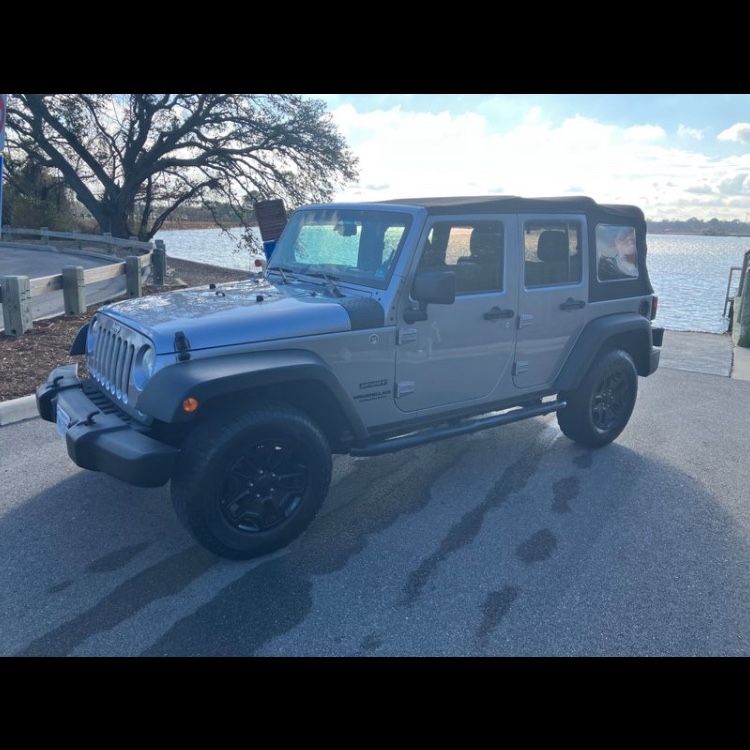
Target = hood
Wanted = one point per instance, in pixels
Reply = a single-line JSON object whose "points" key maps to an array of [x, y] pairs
{"points": [[242, 312]]}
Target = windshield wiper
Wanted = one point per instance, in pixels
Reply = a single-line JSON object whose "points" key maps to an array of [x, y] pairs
{"points": [[281, 270], [329, 281]]}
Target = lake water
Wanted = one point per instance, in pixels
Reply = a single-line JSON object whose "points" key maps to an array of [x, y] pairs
{"points": [[688, 272]]}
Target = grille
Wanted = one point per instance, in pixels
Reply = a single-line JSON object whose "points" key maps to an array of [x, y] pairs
{"points": [[91, 389], [112, 359]]}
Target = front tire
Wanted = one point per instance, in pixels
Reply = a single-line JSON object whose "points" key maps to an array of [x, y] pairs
{"points": [[600, 407], [248, 485]]}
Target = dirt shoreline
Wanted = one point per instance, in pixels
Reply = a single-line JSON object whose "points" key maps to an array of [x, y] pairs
{"points": [[26, 361]]}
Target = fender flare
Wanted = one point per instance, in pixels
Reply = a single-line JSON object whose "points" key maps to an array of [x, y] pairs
{"points": [[208, 378], [594, 337]]}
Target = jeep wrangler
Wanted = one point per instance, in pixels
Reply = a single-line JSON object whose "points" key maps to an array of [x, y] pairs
{"points": [[375, 327]]}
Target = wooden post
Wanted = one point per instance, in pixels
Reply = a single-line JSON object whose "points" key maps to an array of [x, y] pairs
{"points": [[45, 235], [159, 263], [74, 290], [16, 304], [134, 284]]}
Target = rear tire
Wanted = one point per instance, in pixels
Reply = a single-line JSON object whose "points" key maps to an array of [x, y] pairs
{"points": [[248, 485], [600, 407]]}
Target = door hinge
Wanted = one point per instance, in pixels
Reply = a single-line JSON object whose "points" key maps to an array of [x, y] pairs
{"points": [[407, 335], [519, 367], [404, 388]]}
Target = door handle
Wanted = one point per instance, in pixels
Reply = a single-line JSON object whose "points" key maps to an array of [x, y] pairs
{"points": [[495, 313], [572, 304]]}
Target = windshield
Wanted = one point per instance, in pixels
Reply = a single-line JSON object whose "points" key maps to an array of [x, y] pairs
{"points": [[360, 246]]}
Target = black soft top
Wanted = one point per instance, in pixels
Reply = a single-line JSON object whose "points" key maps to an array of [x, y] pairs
{"points": [[596, 213], [480, 204]]}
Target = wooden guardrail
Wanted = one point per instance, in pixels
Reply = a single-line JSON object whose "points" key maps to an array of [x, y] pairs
{"points": [[16, 292], [47, 236]]}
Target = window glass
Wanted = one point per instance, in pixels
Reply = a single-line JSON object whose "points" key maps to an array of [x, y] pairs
{"points": [[474, 250], [552, 252], [616, 253], [355, 245]]}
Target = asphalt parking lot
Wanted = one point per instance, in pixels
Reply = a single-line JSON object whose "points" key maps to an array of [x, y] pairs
{"points": [[513, 541]]}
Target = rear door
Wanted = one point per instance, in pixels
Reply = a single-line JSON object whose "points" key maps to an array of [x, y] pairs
{"points": [[553, 295]]}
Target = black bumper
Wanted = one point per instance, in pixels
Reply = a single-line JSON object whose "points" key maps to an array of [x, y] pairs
{"points": [[657, 337], [104, 442]]}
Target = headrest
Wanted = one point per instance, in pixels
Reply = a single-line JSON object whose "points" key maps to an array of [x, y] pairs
{"points": [[486, 239], [552, 247]]}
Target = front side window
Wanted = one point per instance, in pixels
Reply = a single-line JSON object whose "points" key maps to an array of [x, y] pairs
{"points": [[473, 250], [351, 245], [552, 252], [616, 253]]}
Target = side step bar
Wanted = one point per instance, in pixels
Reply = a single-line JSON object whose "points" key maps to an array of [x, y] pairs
{"points": [[464, 427]]}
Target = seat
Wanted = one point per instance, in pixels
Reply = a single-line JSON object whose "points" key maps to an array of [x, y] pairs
{"points": [[482, 270], [552, 250]]}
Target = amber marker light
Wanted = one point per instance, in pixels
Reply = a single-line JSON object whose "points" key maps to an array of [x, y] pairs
{"points": [[190, 404]]}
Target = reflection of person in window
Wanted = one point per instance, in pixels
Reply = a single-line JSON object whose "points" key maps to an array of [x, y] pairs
{"points": [[622, 260]]}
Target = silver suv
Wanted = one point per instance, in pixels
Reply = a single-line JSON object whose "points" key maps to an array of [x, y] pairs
{"points": [[376, 327]]}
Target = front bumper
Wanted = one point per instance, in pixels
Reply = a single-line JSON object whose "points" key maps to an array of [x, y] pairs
{"points": [[102, 441]]}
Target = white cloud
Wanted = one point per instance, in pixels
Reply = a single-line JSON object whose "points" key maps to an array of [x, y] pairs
{"points": [[740, 131], [738, 184], [429, 154], [645, 133], [683, 131]]}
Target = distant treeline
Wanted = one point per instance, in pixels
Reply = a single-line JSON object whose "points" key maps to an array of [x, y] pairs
{"points": [[714, 227], [202, 215]]}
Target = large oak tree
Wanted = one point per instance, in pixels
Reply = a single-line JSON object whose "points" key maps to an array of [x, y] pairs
{"points": [[133, 159]]}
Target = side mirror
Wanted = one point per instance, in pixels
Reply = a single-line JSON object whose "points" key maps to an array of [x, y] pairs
{"points": [[435, 287], [431, 288]]}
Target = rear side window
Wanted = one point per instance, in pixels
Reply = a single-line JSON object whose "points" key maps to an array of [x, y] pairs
{"points": [[616, 253], [552, 252]]}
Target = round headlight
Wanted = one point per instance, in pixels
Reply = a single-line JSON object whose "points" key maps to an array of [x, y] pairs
{"points": [[144, 366]]}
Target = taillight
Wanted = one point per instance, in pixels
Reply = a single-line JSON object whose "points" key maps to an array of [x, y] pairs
{"points": [[654, 306]]}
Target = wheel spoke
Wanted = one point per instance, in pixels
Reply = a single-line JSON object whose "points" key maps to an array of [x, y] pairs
{"points": [[264, 486], [292, 480], [270, 514]]}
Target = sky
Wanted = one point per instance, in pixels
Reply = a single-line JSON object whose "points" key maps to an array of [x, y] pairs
{"points": [[676, 156]]}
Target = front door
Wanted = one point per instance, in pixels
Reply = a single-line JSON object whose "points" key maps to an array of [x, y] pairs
{"points": [[463, 352], [553, 296]]}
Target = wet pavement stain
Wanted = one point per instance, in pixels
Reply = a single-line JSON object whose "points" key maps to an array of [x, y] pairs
{"points": [[117, 559], [537, 547], [584, 461], [370, 643], [513, 480], [276, 596], [166, 578], [496, 605], [58, 587], [563, 491]]}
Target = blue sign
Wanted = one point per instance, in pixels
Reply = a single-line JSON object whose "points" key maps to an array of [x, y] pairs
{"points": [[3, 105]]}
